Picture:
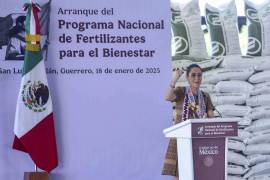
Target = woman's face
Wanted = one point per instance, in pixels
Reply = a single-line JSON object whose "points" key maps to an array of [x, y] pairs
{"points": [[195, 78]]}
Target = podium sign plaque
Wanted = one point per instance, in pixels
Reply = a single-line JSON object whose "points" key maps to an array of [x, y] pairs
{"points": [[202, 147], [214, 129]]}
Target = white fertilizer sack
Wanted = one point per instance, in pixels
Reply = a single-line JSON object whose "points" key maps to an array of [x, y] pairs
{"points": [[238, 61], [252, 149], [258, 133], [259, 125], [242, 135], [259, 138], [263, 65], [233, 110], [237, 158], [264, 16], [254, 25], [258, 169], [260, 112], [228, 98], [233, 86], [236, 146], [259, 100], [186, 28], [235, 169], [222, 26], [261, 88], [245, 121], [260, 77], [258, 158], [260, 177], [258, 23], [222, 74]]}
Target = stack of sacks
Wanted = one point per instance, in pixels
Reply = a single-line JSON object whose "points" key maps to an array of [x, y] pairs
{"points": [[230, 87], [258, 146], [240, 88], [237, 85], [229, 99], [249, 96], [245, 95]]}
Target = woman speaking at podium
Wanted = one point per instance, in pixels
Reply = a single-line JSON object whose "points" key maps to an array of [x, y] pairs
{"points": [[190, 103]]}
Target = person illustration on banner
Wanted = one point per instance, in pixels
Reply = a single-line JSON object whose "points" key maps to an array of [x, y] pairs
{"points": [[16, 45], [190, 102]]}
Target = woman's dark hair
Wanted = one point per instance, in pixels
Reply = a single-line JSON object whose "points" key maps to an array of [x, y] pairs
{"points": [[192, 66]]}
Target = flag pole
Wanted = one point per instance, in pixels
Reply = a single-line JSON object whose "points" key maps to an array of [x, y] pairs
{"points": [[36, 168]]}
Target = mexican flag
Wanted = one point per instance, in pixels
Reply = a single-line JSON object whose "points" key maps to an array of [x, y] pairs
{"points": [[34, 124]]}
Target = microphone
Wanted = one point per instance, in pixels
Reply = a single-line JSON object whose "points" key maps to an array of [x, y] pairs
{"points": [[215, 109]]}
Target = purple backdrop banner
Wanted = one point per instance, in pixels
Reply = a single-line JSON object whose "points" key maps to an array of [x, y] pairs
{"points": [[108, 67]]}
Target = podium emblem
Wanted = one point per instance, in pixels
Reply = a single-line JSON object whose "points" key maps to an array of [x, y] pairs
{"points": [[200, 130], [208, 161]]}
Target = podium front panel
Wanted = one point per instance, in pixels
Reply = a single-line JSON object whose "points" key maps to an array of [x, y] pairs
{"points": [[209, 158]]}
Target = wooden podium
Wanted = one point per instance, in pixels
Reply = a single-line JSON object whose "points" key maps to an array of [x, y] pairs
{"points": [[202, 147], [36, 176]]}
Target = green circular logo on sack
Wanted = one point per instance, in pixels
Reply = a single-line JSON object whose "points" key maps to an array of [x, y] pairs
{"points": [[214, 19], [254, 46], [218, 49], [176, 16], [181, 44], [252, 15]]}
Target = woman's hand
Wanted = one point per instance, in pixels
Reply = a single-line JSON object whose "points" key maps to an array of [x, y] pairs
{"points": [[170, 96], [178, 73]]}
